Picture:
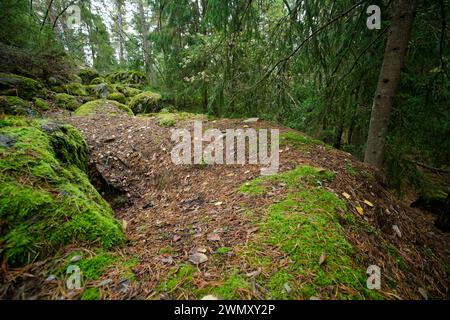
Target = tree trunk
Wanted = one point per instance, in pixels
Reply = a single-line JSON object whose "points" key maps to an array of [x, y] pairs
{"points": [[119, 4], [394, 55], [148, 61]]}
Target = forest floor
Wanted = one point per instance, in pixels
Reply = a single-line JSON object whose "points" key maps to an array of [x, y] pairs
{"points": [[177, 216]]}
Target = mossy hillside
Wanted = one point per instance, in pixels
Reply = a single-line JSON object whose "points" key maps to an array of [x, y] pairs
{"points": [[14, 105], [129, 92], [46, 199], [304, 226], [15, 85], [76, 89], [145, 102], [301, 227], [102, 106], [166, 118], [66, 101]]}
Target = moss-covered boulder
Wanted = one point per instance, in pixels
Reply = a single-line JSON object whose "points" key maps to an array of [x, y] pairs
{"points": [[103, 106], [117, 96], [146, 102], [46, 199], [41, 104], [76, 89], [131, 77], [66, 101], [16, 106], [15, 85], [87, 75], [129, 92]]}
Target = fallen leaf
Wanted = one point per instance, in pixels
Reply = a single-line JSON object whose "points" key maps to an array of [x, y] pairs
{"points": [[360, 210], [251, 230], [176, 237], [346, 195], [167, 260], [287, 288], [213, 237], [370, 204], [322, 259], [218, 203], [198, 258], [124, 225], [397, 230]]}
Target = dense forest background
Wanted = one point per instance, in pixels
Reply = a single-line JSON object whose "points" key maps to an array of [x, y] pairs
{"points": [[310, 65]]}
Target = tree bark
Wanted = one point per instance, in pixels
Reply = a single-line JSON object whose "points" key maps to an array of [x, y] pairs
{"points": [[148, 59], [394, 56]]}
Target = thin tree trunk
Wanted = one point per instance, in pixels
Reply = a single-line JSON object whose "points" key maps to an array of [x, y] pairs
{"points": [[148, 61], [120, 31], [394, 56]]}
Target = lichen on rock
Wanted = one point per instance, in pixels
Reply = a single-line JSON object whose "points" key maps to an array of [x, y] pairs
{"points": [[145, 102]]}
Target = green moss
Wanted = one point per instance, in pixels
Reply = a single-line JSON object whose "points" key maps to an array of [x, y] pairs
{"points": [[41, 104], [177, 277], [14, 105], [66, 101], [128, 91], [293, 179], [93, 268], [223, 250], [145, 102], [117, 96], [350, 170], [167, 119], [46, 199], [76, 89], [15, 85], [229, 289], [87, 75], [91, 294], [302, 227], [102, 106], [297, 140]]}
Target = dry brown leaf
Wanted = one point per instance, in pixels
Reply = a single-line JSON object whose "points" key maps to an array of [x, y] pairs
{"points": [[322, 259], [198, 258], [213, 237]]}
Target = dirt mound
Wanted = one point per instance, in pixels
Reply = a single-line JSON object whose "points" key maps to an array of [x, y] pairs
{"points": [[176, 216]]}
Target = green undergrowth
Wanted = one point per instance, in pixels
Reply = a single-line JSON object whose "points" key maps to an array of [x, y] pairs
{"points": [[304, 226], [103, 106], [46, 199], [297, 140]]}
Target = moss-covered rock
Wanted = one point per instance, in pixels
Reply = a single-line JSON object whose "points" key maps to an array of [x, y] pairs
{"points": [[16, 106], [46, 199], [76, 89], [145, 102], [87, 75], [117, 96], [15, 85], [66, 101], [128, 77], [41, 104], [129, 92], [103, 106]]}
